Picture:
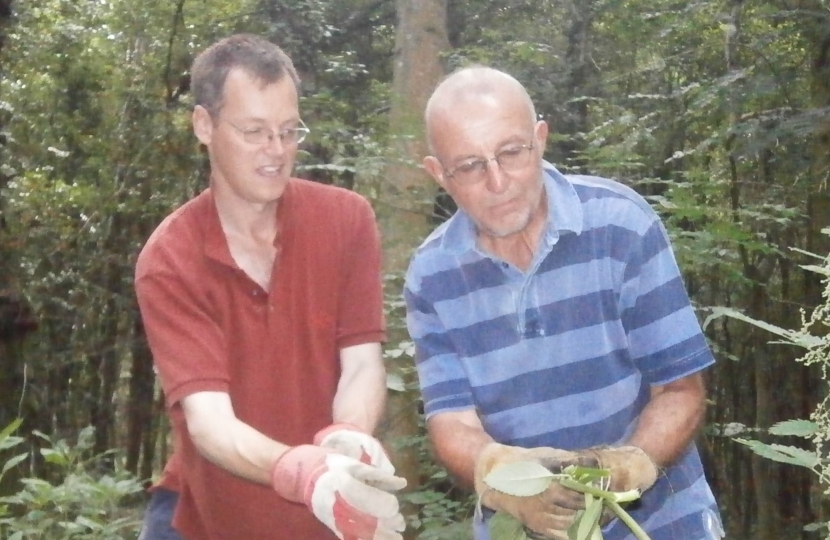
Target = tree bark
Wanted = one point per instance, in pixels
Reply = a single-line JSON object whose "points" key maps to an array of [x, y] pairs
{"points": [[577, 53], [140, 401], [407, 195]]}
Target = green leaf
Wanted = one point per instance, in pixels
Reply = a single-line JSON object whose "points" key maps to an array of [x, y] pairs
{"points": [[520, 479], [503, 526], [795, 338], [395, 382], [88, 523], [573, 530], [783, 454], [14, 461], [812, 527], [10, 442], [52, 456], [590, 519], [9, 429], [817, 269], [798, 428], [586, 474]]}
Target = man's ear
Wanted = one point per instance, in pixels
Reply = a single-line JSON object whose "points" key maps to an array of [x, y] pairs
{"points": [[434, 168], [541, 133], [202, 124]]}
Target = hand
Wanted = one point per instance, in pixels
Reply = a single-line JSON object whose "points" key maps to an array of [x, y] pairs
{"points": [[629, 467], [552, 512], [351, 498], [355, 443], [549, 513]]}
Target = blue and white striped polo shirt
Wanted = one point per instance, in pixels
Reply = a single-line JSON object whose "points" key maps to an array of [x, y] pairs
{"points": [[564, 355]]}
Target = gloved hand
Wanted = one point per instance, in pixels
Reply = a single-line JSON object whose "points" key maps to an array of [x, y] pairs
{"points": [[355, 443], [629, 466], [552, 512], [549, 513], [351, 498]]}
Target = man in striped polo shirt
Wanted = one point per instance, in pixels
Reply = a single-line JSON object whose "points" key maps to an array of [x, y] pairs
{"points": [[551, 324]]}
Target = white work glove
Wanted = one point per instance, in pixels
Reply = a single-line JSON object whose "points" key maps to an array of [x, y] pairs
{"points": [[351, 498], [350, 440]]}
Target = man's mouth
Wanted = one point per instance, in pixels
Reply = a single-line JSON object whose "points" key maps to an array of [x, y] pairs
{"points": [[269, 170]]}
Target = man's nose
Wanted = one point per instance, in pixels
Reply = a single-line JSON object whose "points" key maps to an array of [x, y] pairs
{"points": [[497, 181], [275, 145]]}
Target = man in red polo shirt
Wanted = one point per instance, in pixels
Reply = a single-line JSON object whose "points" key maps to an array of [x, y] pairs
{"points": [[261, 299]]}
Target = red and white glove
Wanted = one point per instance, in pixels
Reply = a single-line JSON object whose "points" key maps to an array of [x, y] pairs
{"points": [[351, 498], [350, 440]]}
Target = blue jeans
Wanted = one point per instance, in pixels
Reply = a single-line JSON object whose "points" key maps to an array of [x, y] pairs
{"points": [[158, 518]]}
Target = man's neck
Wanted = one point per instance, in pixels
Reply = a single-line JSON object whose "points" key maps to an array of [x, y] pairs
{"points": [[239, 218], [517, 249]]}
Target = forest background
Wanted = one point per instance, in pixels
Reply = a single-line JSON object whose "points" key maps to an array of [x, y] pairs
{"points": [[718, 111]]}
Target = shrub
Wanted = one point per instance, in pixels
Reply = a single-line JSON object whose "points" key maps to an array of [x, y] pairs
{"points": [[85, 504]]}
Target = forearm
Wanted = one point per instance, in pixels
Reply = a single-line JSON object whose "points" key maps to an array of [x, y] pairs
{"points": [[457, 444], [671, 419], [227, 441], [361, 391]]}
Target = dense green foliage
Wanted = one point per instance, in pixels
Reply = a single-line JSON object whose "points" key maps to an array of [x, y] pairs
{"points": [[717, 111], [82, 503], [811, 337]]}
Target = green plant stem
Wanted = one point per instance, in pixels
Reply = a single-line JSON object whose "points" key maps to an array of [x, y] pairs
{"points": [[628, 520], [625, 496], [584, 488], [610, 498]]}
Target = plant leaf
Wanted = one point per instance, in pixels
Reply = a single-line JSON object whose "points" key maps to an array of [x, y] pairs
{"points": [[798, 428], [817, 269], [815, 526], [795, 338], [586, 474], [11, 462], [520, 479], [395, 382], [589, 520], [503, 526], [9, 429], [783, 454]]}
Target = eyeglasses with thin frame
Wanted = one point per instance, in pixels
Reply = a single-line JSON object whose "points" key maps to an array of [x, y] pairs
{"points": [[474, 170], [263, 135]]}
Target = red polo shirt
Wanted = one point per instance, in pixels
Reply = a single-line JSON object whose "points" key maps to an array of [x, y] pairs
{"points": [[276, 352]]}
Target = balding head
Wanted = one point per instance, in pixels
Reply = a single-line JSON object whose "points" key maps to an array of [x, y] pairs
{"points": [[468, 84]]}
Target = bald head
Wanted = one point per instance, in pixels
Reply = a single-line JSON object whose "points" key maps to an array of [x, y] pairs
{"points": [[469, 84]]}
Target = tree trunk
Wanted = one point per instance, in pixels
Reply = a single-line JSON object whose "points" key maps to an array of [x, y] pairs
{"points": [[140, 401], [577, 61], [407, 194]]}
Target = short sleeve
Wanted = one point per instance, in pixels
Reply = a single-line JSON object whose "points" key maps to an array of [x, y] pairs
{"points": [[360, 312], [665, 339], [441, 375], [188, 345]]}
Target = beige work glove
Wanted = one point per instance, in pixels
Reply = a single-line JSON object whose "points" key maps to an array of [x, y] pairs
{"points": [[628, 466], [552, 512], [549, 513]]}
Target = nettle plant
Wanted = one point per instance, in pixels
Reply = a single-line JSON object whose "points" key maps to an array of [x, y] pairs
{"points": [[84, 504], [528, 478], [814, 338]]}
